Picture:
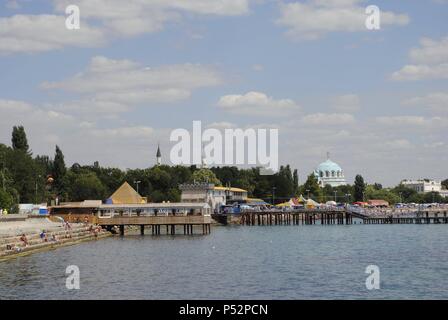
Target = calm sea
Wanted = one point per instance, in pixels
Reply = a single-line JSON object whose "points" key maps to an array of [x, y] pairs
{"points": [[282, 262]]}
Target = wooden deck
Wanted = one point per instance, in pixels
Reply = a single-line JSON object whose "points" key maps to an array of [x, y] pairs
{"points": [[338, 217], [156, 222]]}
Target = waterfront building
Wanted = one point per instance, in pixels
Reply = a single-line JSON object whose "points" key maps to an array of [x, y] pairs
{"points": [[423, 185], [126, 195], [378, 203], [213, 195], [330, 173]]}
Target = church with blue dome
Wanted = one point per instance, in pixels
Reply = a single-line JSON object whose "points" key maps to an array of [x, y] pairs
{"points": [[330, 173]]}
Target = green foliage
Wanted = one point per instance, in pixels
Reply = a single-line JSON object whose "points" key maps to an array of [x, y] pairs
{"points": [[383, 194], [19, 139], [312, 188], [205, 175], [85, 186], [6, 200], [59, 172], [23, 179], [359, 188], [295, 180], [405, 194], [445, 184], [24, 173]]}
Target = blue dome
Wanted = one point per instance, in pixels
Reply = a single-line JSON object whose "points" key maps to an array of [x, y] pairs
{"points": [[328, 166]]}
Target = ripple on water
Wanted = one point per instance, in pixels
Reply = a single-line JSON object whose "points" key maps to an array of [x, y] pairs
{"points": [[284, 262]]}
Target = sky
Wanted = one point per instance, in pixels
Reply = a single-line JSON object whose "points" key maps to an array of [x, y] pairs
{"points": [[377, 100]]}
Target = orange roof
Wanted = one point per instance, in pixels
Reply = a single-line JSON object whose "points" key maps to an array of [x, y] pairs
{"points": [[126, 195]]}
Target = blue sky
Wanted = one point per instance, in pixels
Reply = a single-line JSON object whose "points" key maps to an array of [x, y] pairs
{"points": [[320, 77]]}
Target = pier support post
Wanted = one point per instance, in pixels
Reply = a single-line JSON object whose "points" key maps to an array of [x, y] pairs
{"points": [[142, 230]]}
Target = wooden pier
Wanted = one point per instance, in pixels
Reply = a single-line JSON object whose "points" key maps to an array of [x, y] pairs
{"points": [[169, 224], [336, 217]]}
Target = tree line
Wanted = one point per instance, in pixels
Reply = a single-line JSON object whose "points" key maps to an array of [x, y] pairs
{"points": [[26, 178]]}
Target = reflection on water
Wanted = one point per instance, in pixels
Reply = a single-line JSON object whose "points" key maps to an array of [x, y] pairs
{"points": [[283, 262]]}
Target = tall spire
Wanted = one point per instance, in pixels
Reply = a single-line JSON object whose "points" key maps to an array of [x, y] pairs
{"points": [[328, 155], [158, 155]]}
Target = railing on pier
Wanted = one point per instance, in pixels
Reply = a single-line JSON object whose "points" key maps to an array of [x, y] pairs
{"points": [[338, 216]]}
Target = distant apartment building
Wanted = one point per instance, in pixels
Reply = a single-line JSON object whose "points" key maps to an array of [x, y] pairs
{"points": [[214, 196], [423, 186]]}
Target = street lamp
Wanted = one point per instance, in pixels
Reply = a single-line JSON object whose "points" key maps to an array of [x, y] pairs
{"points": [[137, 183], [348, 197], [335, 196]]}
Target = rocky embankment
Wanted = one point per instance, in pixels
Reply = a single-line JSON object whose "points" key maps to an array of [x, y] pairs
{"points": [[12, 242]]}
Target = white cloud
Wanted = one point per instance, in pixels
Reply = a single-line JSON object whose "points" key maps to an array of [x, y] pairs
{"points": [[38, 33], [348, 103], [116, 85], [421, 72], [328, 119], [436, 102], [133, 17], [112, 19], [430, 61], [411, 121], [430, 52], [124, 132], [315, 18], [399, 144], [257, 104]]}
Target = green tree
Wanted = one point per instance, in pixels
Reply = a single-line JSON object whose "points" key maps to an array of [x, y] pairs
{"points": [[85, 186], [404, 193], [24, 174], [433, 197], [312, 188], [359, 188], [205, 175], [59, 171], [19, 139], [6, 200], [295, 179], [445, 183], [378, 186]]}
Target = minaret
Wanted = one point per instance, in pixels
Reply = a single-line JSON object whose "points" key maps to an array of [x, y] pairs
{"points": [[159, 155]]}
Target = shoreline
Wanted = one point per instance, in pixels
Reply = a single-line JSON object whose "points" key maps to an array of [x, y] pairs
{"points": [[53, 246], [12, 246]]}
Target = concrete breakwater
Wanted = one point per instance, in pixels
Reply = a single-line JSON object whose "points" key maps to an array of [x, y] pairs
{"points": [[12, 243]]}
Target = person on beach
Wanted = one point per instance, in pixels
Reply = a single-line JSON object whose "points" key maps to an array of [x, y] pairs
{"points": [[24, 240], [43, 236]]}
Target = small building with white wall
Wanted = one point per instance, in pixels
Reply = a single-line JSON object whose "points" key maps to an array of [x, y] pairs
{"points": [[209, 193], [423, 185]]}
